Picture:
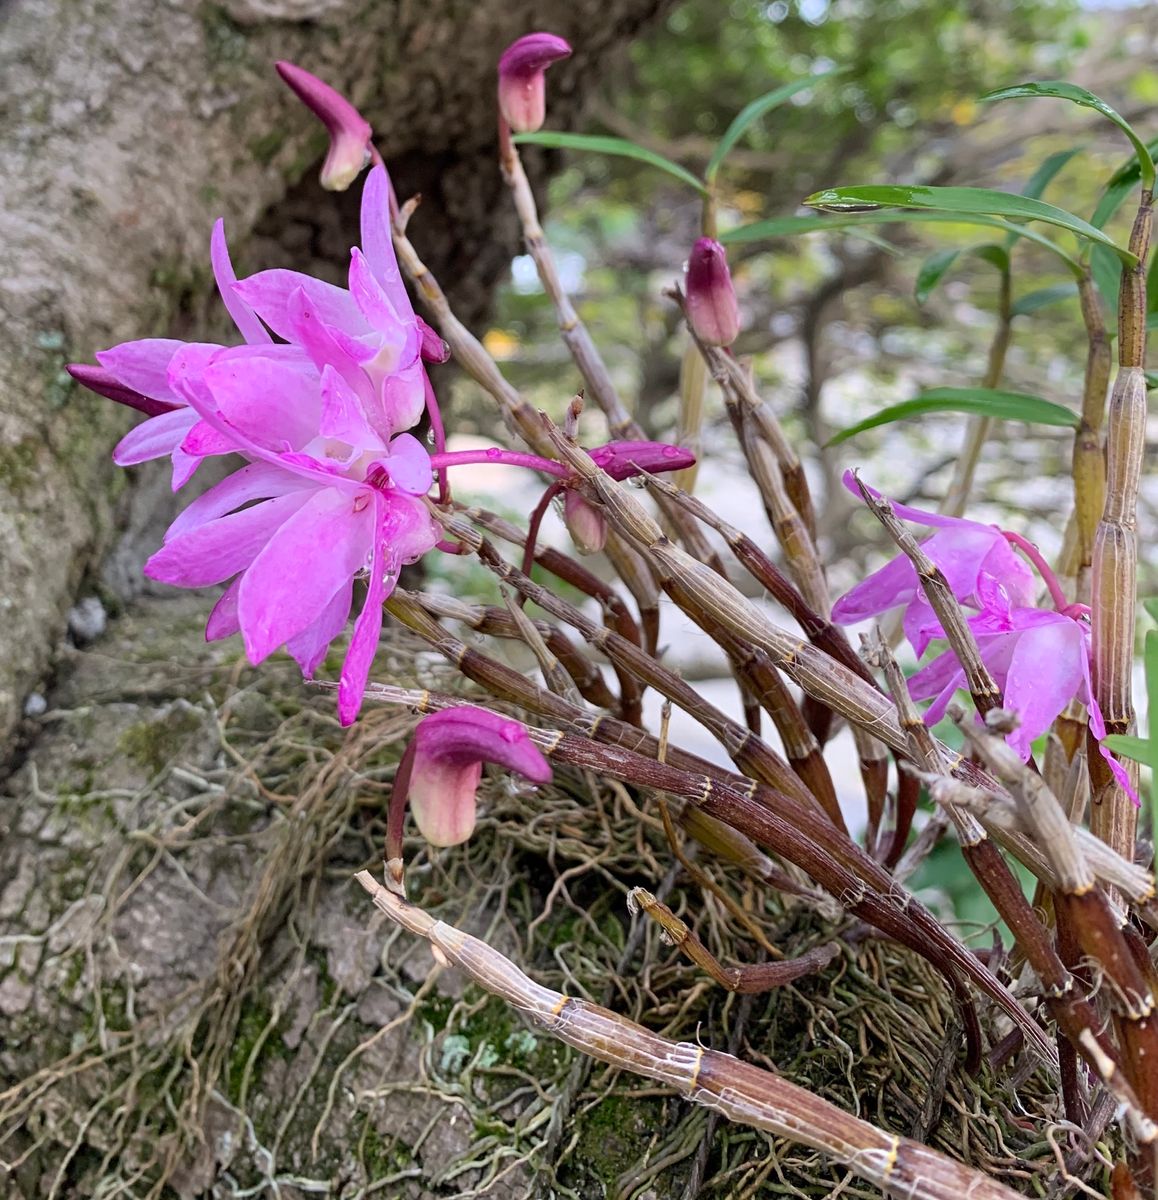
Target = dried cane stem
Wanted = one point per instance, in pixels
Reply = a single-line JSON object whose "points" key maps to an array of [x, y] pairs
{"points": [[741, 1092]]}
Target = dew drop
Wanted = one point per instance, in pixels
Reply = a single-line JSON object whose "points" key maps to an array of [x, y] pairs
{"points": [[671, 452], [494, 452]]}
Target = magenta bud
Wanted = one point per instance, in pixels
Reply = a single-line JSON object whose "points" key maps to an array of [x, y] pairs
{"points": [[522, 91], [449, 749], [622, 460], [711, 299], [585, 523], [434, 349], [106, 384], [349, 131]]}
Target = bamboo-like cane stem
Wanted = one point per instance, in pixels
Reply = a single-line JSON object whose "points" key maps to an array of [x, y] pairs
{"points": [[740, 1092], [1115, 562]]}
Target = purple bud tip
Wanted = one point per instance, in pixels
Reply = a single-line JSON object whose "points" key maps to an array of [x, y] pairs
{"points": [[349, 131], [585, 523], [622, 460], [106, 384], [450, 748], [434, 349], [711, 298], [522, 92]]}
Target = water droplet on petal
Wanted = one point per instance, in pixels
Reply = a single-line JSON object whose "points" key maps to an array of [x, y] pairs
{"points": [[494, 452], [671, 452]]}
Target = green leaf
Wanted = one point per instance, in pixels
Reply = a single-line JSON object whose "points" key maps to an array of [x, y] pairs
{"points": [[985, 402], [1032, 302], [1150, 604], [1151, 380], [1061, 90], [775, 227], [932, 271], [1044, 175], [1129, 746], [937, 265], [754, 111], [963, 201], [618, 147]]}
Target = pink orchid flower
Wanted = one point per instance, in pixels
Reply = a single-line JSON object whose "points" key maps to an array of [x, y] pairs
{"points": [[980, 566], [522, 88], [349, 131], [440, 771], [1040, 658]]}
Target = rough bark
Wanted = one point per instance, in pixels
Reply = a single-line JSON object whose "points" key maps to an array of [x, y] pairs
{"points": [[127, 129]]}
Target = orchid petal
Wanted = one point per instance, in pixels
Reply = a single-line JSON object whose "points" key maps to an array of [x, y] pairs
{"points": [[246, 320], [309, 647], [154, 438], [257, 481], [144, 366], [270, 295], [215, 551], [378, 241], [290, 584], [1045, 673], [223, 620], [408, 465]]}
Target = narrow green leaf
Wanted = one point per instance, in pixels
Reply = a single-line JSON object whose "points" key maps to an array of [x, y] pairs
{"points": [[1061, 90], [618, 147], [775, 227], [1150, 604], [1129, 746], [1032, 302], [1151, 380], [754, 111], [932, 271], [985, 402], [1044, 175], [962, 200]]}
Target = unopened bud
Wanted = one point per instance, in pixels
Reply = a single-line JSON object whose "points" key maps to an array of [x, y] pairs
{"points": [[105, 383], [349, 131], [449, 749], [522, 92], [585, 523], [711, 298], [434, 349]]}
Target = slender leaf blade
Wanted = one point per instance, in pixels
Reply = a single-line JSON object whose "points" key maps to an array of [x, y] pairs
{"points": [[1044, 175], [1129, 746], [752, 112], [614, 146], [1034, 301], [932, 271], [1061, 90], [986, 402], [963, 201], [776, 227]]}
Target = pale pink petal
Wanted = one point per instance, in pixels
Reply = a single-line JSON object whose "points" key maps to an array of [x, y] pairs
{"points": [[144, 366], [364, 644], [204, 440], [223, 620], [154, 438], [214, 552], [184, 468], [305, 562], [273, 402], [377, 242], [257, 481], [342, 415], [403, 399], [408, 465], [270, 293], [310, 646], [443, 800], [246, 320], [1045, 673]]}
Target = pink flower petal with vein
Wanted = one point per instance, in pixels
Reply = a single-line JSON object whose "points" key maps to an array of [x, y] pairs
{"points": [[144, 366], [154, 438], [257, 481], [246, 320], [309, 647]]}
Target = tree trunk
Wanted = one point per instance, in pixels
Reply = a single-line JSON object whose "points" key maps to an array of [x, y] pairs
{"points": [[128, 128]]}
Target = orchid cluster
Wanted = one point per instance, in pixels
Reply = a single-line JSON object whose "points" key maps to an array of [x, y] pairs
{"points": [[321, 402], [1039, 657]]}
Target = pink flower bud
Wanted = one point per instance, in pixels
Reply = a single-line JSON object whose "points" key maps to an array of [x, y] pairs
{"points": [[622, 460], [105, 383], [434, 349], [522, 94], [447, 754], [711, 303], [349, 131], [586, 524]]}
